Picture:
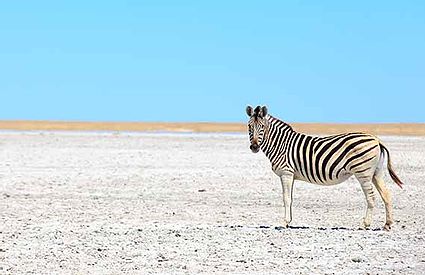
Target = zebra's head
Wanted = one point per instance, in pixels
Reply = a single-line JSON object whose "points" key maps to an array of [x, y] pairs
{"points": [[257, 125]]}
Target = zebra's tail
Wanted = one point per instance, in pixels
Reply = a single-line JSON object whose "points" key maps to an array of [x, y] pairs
{"points": [[393, 175]]}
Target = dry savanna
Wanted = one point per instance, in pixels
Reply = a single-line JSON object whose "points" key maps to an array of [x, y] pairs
{"points": [[410, 129], [115, 200]]}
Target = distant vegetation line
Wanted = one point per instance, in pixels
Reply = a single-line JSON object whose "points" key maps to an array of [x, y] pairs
{"points": [[311, 128]]}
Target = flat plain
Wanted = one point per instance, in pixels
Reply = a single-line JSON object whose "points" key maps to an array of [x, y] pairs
{"points": [[409, 129], [123, 202]]}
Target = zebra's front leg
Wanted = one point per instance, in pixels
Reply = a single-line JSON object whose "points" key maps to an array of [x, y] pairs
{"points": [[287, 181]]}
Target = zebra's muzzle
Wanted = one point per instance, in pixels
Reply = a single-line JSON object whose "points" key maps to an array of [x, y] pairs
{"points": [[254, 148]]}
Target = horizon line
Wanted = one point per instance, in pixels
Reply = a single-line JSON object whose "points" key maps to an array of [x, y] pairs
{"points": [[198, 121], [381, 128]]}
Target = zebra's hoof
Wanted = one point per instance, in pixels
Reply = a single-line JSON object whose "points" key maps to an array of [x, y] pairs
{"points": [[366, 223], [387, 227], [285, 224]]}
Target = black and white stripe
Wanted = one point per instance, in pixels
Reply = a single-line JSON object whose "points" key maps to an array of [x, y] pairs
{"points": [[321, 160]]}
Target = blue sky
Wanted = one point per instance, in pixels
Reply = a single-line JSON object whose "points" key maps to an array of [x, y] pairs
{"points": [[309, 61]]}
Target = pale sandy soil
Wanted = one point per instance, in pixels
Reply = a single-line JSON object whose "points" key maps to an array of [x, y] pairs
{"points": [[112, 203], [415, 129]]}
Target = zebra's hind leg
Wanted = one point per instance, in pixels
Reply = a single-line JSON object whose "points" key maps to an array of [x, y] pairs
{"points": [[366, 184], [386, 197]]}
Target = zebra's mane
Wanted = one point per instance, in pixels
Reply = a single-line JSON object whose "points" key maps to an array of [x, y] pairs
{"points": [[275, 120]]}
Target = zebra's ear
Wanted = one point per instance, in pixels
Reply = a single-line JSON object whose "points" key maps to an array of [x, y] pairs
{"points": [[264, 111], [249, 110]]}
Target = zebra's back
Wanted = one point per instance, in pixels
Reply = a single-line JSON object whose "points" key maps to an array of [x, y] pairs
{"points": [[332, 159]]}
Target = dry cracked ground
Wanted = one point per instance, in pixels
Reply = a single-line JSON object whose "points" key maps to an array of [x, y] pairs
{"points": [[113, 203]]}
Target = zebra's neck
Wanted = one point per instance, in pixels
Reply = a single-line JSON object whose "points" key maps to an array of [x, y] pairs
{"points": [[276, 137]]}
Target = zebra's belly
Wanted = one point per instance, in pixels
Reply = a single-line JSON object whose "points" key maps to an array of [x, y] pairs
{"points": [[341, 178]]}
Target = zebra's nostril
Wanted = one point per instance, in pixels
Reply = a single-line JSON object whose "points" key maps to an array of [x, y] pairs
{"points": [[253, 146]]}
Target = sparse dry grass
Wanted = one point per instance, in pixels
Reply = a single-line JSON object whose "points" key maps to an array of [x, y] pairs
{"points": [[311, 128]]}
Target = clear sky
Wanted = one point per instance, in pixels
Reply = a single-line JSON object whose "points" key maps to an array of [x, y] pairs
{"points": [[309, 61]]}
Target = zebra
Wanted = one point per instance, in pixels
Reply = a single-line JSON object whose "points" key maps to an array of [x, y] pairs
{"points": [[325, 160]]}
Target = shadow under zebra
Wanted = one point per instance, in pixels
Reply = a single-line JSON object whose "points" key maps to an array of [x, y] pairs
{"points": [[282, 228]]}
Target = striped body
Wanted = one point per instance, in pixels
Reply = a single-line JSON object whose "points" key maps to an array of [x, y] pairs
{"points": [[321, 160]]}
